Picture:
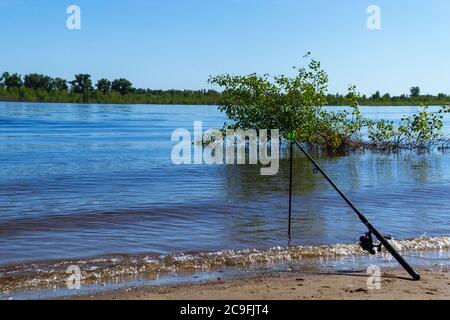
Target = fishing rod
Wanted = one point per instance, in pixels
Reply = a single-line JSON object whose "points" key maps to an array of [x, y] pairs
{"points": [[366, 241]]}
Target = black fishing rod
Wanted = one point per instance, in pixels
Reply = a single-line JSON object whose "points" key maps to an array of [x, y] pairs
{"points": [[366, 241]]}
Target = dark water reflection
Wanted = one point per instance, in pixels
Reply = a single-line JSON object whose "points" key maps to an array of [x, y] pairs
{"points": [[87, 180]]}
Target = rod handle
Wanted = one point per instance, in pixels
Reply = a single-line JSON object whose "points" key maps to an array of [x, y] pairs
{"points": [[394, 253]]}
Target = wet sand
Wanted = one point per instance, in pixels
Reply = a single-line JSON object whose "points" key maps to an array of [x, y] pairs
{"points": [[394, 284]]}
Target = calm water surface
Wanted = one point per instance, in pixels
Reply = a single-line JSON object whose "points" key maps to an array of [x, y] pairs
{"points": [[89, 180]]}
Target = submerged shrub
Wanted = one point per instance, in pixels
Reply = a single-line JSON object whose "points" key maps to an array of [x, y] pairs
{"points": [[421, 130], [297, 104], [256, 102], [382, 133]]}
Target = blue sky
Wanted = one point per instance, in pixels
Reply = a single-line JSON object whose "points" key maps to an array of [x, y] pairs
{"points": [[179, 43]]}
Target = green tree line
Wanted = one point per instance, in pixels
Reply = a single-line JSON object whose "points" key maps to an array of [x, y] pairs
{"points": [[414, 98], [43, 88]]}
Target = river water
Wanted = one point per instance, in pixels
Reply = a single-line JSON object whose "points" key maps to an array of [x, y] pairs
{"points": [[90, 181]]}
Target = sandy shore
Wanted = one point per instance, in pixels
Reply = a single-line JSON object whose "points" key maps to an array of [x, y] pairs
{"points": [[394, 284]]}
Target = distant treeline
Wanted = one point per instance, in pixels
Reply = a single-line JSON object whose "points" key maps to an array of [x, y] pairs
{"points": [[42, 88], [414, 98]]}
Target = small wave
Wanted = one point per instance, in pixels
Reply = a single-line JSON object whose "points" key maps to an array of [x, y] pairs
{"points": [[101, 269]]}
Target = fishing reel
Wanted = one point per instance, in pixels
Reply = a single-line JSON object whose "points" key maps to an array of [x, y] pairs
{"points": [[367, 244]]}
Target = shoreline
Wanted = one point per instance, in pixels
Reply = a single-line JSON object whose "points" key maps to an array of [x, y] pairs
{"points": [[295, 285], [103, 275]]}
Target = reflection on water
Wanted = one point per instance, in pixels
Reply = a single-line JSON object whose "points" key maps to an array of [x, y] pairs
{"points": [[89, 180]]}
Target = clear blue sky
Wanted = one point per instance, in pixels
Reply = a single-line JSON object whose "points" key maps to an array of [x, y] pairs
{"points": [[179, 43]]}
